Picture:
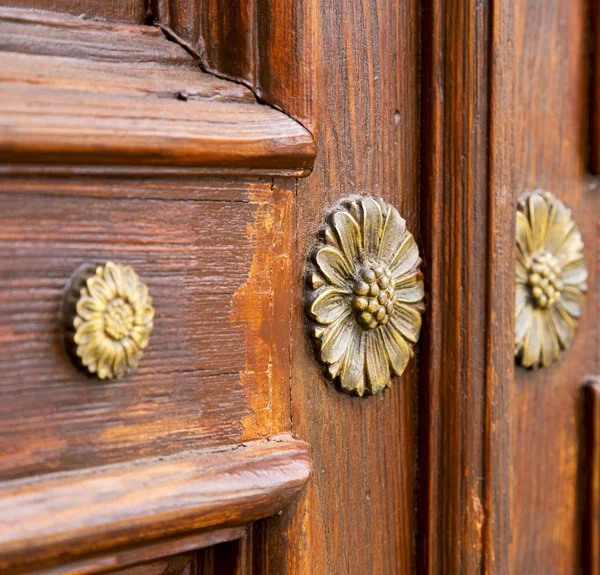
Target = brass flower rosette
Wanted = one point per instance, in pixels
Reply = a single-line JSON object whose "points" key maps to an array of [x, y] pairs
{"points": [[550, 279], [107, 318], [364, 297]]}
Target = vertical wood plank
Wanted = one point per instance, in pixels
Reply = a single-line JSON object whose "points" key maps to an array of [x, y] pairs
{"points": [[467, 362]]}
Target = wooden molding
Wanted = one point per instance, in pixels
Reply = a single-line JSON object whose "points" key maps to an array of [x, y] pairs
{"points": [[91, 93], [268, 45], [60, 517], [466, 360]]}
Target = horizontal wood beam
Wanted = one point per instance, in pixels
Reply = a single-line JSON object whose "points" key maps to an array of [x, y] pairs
{"points": [[89, 93], [59, 517]]}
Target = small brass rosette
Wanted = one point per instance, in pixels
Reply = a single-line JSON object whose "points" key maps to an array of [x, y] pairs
{"points": [[107, 316], [364, 295], [550, 279]]}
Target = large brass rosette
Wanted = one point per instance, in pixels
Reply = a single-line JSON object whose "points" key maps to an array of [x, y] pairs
{"points": [[364, 296], [108, 317], [550, 279]]}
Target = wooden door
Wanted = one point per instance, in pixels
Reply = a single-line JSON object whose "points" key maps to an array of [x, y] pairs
{"points": [[202, 146]]}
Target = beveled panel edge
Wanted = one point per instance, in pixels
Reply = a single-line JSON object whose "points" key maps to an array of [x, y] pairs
{"points": [[62, 517]]}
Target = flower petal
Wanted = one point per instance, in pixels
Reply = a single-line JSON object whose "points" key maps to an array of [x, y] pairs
{"points": [[112, 277], [575, 272], [405, 259], [99, 290], [523, 319], [521, 275], [119, 364], [523, 231], [132, 352], [538, 216], [407, 320], [377, 363], [140, 296], [564, 324], [329, 305], [572, 299], [392, 236], [352, 374], [334, 266], [105, 370], [144, 315], [521, 298], [89, 308], [410, 288], [89, 330], [571, 244], [140, 336], [397, 350], [559, 225], [532, 347], [337, 337], [372, 226], [348, 232], [550, 347]]}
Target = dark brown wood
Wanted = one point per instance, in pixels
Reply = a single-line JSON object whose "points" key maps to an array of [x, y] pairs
{"points": [[591, 510], [179, 565], [550, 123], [216, 369], [142, 101], [143, 553], [269, 45], [63, 516], [467, 361], [358, 512], [231, 558], [133, 11], [594, 67]]}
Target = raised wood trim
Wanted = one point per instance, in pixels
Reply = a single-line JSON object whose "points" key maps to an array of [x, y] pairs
{"points": [[467, 351], [87, 93], [60, 517], [268, 45], [594, 81], [591, 508]]}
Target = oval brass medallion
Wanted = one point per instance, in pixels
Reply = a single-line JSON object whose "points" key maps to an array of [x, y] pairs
{"points": [[108, 317], [550, 279], [364, 294]]}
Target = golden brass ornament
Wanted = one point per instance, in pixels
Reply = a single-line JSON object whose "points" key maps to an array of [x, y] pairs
{"points": [[364, 294], [108, 316], [550, 279]]}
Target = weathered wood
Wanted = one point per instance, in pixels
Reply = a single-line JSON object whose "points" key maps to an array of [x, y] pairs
{"points": [[133, 11], [594, 83], [358, 513], [142, 554], [63, 516], [467, 361], [546, 416], [216, 369], [269, 45], [83, 92]]}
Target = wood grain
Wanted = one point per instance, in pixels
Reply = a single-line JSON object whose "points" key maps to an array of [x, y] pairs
{"points": [[63, 516], [178, 565], [358, 513], [216, 369], [132, 11], [594, 68], [83, 92], [467, 361], [269, 45], [141, 554], [546, 411], [591, 510]]}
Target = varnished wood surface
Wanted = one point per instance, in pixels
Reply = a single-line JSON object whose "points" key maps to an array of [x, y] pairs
{"points": [[178, 565], [467, 221], [594, 87], [546, 412], [85, 92], [133, 11], [62, 516], [590, 540], [145, 553], [358, 514], [269, 45], [216, 370]]}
